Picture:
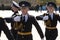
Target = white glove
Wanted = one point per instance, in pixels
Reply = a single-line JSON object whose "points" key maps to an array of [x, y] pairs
{"points": [[17, 18], [42, 39], [45, 18]]}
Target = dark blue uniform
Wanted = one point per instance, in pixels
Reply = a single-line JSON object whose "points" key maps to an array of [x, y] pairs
{"points": [[24, 31], [51, 31]]}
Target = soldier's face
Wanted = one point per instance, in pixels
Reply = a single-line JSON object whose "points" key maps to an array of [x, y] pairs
{"points": [[14, 9], [50, 8], [24, 10]]}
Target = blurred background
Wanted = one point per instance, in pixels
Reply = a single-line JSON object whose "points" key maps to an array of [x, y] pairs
{"points": [[36, 4]]}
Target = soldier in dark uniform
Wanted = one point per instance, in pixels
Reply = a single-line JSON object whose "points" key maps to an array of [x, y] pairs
{"points": [[15, 9], [24, 23], [50, 19], [3, 27]]}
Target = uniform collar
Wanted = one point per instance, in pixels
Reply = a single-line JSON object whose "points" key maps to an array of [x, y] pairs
{"points": [[25, 15], [51, 13]]}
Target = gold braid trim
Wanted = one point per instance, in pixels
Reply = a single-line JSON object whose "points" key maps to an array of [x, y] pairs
{"points": [[48, 22], [18, 26]]}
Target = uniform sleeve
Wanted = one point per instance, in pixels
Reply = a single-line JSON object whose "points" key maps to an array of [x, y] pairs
{"points": [[38, 27], [8, 20], [6, 29], [58, 17], [39, 17]]}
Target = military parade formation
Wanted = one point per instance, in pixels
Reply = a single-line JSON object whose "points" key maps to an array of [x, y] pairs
{"points": [[21, 24]]}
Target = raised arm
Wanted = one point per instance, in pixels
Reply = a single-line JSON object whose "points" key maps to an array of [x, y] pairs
{"points": [[39, 17]]}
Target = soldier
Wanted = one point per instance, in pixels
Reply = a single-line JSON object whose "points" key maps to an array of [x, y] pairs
{"points": [[50, 19], [15, 9], [24, 23], [3, 27]]}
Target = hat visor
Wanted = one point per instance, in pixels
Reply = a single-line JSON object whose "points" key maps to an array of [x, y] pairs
{"points": [[24, 7], [50, 6]]}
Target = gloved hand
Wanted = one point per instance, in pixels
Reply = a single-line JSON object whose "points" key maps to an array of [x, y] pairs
{"points": [[45, 18], [17, 18]]}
